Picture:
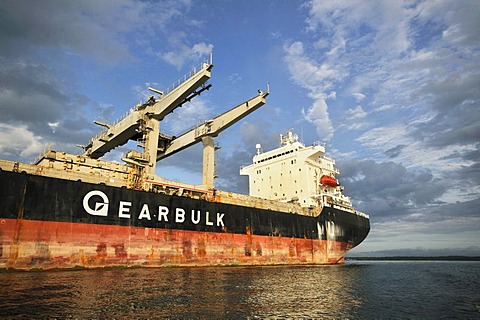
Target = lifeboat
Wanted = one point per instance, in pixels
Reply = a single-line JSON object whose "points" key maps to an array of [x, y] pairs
{"points": [[329, 181]]}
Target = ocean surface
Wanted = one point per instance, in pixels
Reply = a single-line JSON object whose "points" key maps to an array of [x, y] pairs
{"points": [[356, 290]]}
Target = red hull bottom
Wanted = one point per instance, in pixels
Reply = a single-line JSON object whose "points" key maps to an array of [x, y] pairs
{"points": [[27, 244]]}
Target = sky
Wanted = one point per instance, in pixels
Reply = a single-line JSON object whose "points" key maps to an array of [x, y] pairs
{"points": [[391, 87]]}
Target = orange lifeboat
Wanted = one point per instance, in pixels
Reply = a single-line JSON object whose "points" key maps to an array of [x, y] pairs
{"points": [[329, 181]]}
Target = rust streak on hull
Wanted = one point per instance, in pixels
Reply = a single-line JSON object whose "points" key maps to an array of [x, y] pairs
{"points": [[50, 245]]}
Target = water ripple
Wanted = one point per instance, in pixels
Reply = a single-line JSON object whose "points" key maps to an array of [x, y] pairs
{"points": [[424, 290]]}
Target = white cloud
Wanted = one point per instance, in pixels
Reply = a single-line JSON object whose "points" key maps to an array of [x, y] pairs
{"points": [[183, 54], [395, 143], [317, 114], [459, 20], [359, 96], [307, 72], [356, 113], [53, 125], [202, 49], [317, 78], [344, 18], [17, 139], [339, 48], [142, 92], [188, 116], [97, 29], [355, 119], [234, 78], [403, 59], [384, 138], [384, 107]]}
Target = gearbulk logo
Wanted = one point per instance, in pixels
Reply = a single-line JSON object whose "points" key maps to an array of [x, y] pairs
{"points": [[101, 208], [101, 204]]}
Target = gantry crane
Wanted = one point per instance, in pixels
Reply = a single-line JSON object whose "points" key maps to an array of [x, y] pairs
{"points": [[142, 124]]}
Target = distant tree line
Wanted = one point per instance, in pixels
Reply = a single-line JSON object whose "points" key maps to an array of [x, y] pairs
{"points": [[417, 258]]}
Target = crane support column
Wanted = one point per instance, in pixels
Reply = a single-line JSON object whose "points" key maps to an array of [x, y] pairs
{"points": [[151, 146], [208, 162]]}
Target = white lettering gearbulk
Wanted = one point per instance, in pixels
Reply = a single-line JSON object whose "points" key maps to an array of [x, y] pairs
{"points": [[145, 213], [179, 215], [220, 219], [162, 213], [207, 220], [124, 207], [195, 219]]}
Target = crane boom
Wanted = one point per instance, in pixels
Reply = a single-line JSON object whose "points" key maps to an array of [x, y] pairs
{"points": [[139, 120], [142, 123], [212, 127]]}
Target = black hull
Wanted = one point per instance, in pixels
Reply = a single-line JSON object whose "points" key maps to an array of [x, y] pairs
{"points": [[25, 197]]}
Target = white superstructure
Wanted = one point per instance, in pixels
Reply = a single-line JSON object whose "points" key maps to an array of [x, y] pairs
{"points": [[296, 173]]}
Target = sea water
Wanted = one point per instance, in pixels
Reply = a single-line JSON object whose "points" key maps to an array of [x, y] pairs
{"points": [[355, 290]]}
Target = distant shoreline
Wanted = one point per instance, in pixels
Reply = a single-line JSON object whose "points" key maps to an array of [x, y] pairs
{"points": [[416, 258]]}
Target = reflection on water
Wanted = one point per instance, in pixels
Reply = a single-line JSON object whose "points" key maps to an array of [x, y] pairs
{"points": [[316, 292], [258, 292], [371, 290]]}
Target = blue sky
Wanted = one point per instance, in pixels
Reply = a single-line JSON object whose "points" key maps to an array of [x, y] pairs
{"points": [[392, 87]]}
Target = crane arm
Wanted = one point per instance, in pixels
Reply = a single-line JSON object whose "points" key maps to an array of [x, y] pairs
{"points": [[212, 127], [180, 94], [137, 121]]}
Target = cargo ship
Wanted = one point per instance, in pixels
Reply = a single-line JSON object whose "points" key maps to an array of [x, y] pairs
{"points": [[79, 211]]}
